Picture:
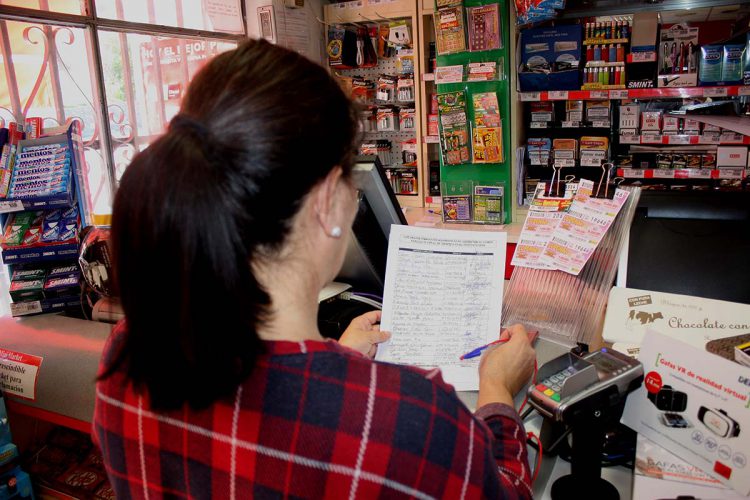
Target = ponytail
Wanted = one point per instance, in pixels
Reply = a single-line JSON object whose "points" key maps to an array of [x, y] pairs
{"points": [[195, 207]]}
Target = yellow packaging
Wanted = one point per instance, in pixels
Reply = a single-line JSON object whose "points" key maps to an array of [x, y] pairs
{"points": [[563, 144]]}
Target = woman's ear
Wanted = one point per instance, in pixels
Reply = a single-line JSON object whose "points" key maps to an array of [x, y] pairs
{"points": [[325, 200]]}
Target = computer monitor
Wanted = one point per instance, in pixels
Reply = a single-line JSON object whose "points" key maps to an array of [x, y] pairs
{"points": [[691, 243], [364, 266]]}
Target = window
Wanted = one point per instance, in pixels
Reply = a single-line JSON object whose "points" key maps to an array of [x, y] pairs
{"points": [[121, 67]]}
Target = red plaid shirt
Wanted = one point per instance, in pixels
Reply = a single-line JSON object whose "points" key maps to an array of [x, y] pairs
{"points": [[314, 420]]}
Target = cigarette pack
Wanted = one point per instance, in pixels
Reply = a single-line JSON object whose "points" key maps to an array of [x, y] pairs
{"points": [[651, 121]]}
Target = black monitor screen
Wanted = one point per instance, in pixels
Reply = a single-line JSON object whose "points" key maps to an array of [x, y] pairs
{"points": [[692, 243], [364, 266]]}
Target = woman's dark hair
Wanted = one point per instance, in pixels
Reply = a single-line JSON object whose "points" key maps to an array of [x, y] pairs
{"points": [[258, 128]]}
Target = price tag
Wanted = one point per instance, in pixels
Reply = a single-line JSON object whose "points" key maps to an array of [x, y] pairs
{"points": [[539, 125], [600, 124], [25, 308], [678, 139], [708, 139], [570, 124], [11, 206], [662, 173], [557, 95], [630, 139], [696, 173], [682, 174], [731, 138], [541, 117], [745, 90], [715, 92], [432, 139], [632, 173], [565, 163], [530, 96], [731, 173], [591, 161], [618, 94], [428, 77], [643, 57], [599, 94], [651, 139]]}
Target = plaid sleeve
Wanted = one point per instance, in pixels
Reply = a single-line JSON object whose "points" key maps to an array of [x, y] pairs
{"points": [[508, 446], [497, 462]]}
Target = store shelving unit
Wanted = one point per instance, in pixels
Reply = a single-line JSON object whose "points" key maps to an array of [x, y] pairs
{"points": [[727, 173], [657, 93], [362, 12], [41, 253]]}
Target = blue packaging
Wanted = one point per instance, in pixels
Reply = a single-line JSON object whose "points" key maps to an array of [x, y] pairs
{"points": [[63, 270], [550, 58], [68, 230], [709, 71], [50, 231], [53, 215], [70, 213], [731, 63]]}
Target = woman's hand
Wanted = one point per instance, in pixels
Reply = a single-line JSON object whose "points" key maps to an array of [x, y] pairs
{"points": [[363, 334], [505, 368]]}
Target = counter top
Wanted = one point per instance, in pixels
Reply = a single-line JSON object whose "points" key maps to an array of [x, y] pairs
{"points": [[63, 343], [426, 217]]}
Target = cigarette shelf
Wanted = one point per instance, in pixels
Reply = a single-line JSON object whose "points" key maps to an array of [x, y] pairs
{"points": [[683, 173], [428, 77], [655, 93], [681, 140], [431, 139]]}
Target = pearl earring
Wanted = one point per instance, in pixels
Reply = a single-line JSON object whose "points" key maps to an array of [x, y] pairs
{"points": [[336, 232]]}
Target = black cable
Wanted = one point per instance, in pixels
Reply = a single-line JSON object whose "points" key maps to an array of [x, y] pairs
{"points": [[526, 414]]}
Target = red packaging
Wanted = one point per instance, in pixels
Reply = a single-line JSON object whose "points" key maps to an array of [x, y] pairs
{"points": [[432, 125], [33, 127], [434, 105]]}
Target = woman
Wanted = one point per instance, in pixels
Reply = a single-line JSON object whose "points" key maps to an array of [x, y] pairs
{"points": [[219, 383]]}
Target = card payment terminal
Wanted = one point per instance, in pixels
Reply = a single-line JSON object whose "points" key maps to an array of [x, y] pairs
{"points": [[570, 381], [585, 393]]}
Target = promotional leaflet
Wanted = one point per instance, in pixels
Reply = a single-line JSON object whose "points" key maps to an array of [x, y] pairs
{"points": [[695, 405], [659, 474], [717, 326]]}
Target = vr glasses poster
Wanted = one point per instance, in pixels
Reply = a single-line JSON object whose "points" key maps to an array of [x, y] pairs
{"points": [[697, 406]]}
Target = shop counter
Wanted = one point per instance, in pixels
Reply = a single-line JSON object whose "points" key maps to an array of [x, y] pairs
{"points": [[70, 350]]}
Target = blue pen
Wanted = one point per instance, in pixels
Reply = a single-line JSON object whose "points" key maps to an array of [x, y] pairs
{"points": [[478, 351]]}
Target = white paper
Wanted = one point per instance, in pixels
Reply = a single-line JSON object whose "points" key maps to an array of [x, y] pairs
{"points": [[443, 298], [293, 29], [225, 15]]}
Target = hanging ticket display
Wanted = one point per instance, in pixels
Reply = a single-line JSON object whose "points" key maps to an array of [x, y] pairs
{"points": [[581, 229], [544, 216]]}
